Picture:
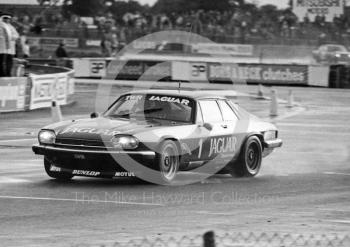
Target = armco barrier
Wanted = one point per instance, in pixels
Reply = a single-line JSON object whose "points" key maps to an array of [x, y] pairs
{"points": [[36, 90]]}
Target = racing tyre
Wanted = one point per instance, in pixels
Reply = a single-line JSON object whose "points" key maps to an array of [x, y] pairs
{"points": [[249, 162], [56, 175], [168, 161]]}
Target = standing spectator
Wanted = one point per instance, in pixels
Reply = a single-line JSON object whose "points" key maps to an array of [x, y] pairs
{"points": [[61, 54], [26, 49], [13, 37], [4, 46], [61, 51]]}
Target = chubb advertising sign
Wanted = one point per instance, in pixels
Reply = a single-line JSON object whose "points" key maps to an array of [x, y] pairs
{"points": [[312, 8]]}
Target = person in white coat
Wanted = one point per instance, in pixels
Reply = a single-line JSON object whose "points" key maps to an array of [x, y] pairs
{"points": [[4, 46], [13, 36]]}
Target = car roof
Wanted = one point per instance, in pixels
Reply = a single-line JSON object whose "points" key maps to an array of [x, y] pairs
{"points": [[193, 94], [340, 45]]}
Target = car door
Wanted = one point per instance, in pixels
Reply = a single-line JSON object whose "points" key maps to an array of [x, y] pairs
{"points": [[218, 140]]}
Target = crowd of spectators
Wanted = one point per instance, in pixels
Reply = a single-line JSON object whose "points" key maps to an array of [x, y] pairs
{"points": [[238, 25]]}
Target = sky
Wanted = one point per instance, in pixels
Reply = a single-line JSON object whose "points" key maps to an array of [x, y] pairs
{"points": [[278, 3]]}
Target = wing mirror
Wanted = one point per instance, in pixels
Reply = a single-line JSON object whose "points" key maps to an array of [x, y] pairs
{"points": [[94, 115], [208, 126]]}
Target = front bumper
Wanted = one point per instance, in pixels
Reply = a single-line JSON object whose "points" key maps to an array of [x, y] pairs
{"points": [[276, 143], [87, 162], [43, 150]]}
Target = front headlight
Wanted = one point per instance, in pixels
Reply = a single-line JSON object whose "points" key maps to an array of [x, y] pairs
{"points": [[270, 135], [337, 55], [47, 137], [125, 142]]}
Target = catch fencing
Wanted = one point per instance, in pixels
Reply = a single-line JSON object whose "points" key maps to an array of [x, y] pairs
{"points": [[209, 239]]}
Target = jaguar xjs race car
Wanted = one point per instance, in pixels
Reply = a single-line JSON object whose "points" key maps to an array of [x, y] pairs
{"points": [[154, 134]]}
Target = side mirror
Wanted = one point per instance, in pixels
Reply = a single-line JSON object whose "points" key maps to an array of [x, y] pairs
{"points": [[94, 115], [208, 126]]}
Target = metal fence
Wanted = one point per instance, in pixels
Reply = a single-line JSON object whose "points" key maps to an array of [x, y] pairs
{"points": [[210, 239]]}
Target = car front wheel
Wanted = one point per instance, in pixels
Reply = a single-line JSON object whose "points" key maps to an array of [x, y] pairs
{"points": [[249, 162], [168, 161], [54, 174]]}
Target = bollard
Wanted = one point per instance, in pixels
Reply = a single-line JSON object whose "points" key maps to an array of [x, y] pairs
{"points": [[274, 103], [56, 114], [260, 92], [209, 239], [290, 99]]}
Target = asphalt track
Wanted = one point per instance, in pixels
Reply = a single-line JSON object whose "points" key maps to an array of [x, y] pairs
{"points": [[304, 187]]}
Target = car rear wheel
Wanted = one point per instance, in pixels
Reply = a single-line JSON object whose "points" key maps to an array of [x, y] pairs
{"points": [[53, 174], [168, 161], [249, 162]]}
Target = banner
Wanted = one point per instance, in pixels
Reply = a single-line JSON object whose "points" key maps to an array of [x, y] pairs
{"points": [[13, 94], [223, 49], [134, 69], [259, 73], [45, 88], [53, 41], [319, 75], [312, 8]]}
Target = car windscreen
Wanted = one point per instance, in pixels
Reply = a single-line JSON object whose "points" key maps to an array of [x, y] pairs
{"points": [[153, 106], [336, 48]]}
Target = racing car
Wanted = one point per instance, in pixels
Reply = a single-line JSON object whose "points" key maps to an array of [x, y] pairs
{"points": [[332, 53], [156, 134]]}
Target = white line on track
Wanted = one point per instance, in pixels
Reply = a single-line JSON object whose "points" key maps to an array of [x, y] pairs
{"points": [[78, 200], [11, 180], [337, 173], [321, 125], [340, 221], [19, 140]]}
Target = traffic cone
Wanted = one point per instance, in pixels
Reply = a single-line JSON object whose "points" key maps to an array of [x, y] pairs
{"points": [[290, 99], [260, 92], [274, 103], [56, 114]]}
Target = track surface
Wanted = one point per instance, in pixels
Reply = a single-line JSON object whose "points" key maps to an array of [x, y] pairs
{"points": [[304, 187]]}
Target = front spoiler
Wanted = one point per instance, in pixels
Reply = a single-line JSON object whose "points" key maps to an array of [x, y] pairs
{"points": [[42, 150], [273, 143], [88, 173]]}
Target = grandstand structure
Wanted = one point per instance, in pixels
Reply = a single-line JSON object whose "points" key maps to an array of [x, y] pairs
{"points": [[247, 24]]}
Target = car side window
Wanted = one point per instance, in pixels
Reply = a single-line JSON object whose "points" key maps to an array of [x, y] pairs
{"points": [[227, 112], [211, 111]]}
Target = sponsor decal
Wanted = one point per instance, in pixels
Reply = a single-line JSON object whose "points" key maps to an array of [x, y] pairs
{"points": [[169, 99], [79, 156], [222, 145], [198, 71], [86, 173], [124, 174], [156, 69], [134, 97], [134, 69], [55, 169], [97, 67], [327, 8], [259, 73], [106, 132]]}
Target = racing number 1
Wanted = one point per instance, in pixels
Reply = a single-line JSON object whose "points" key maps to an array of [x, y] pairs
{"points": [[200, 144]]}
